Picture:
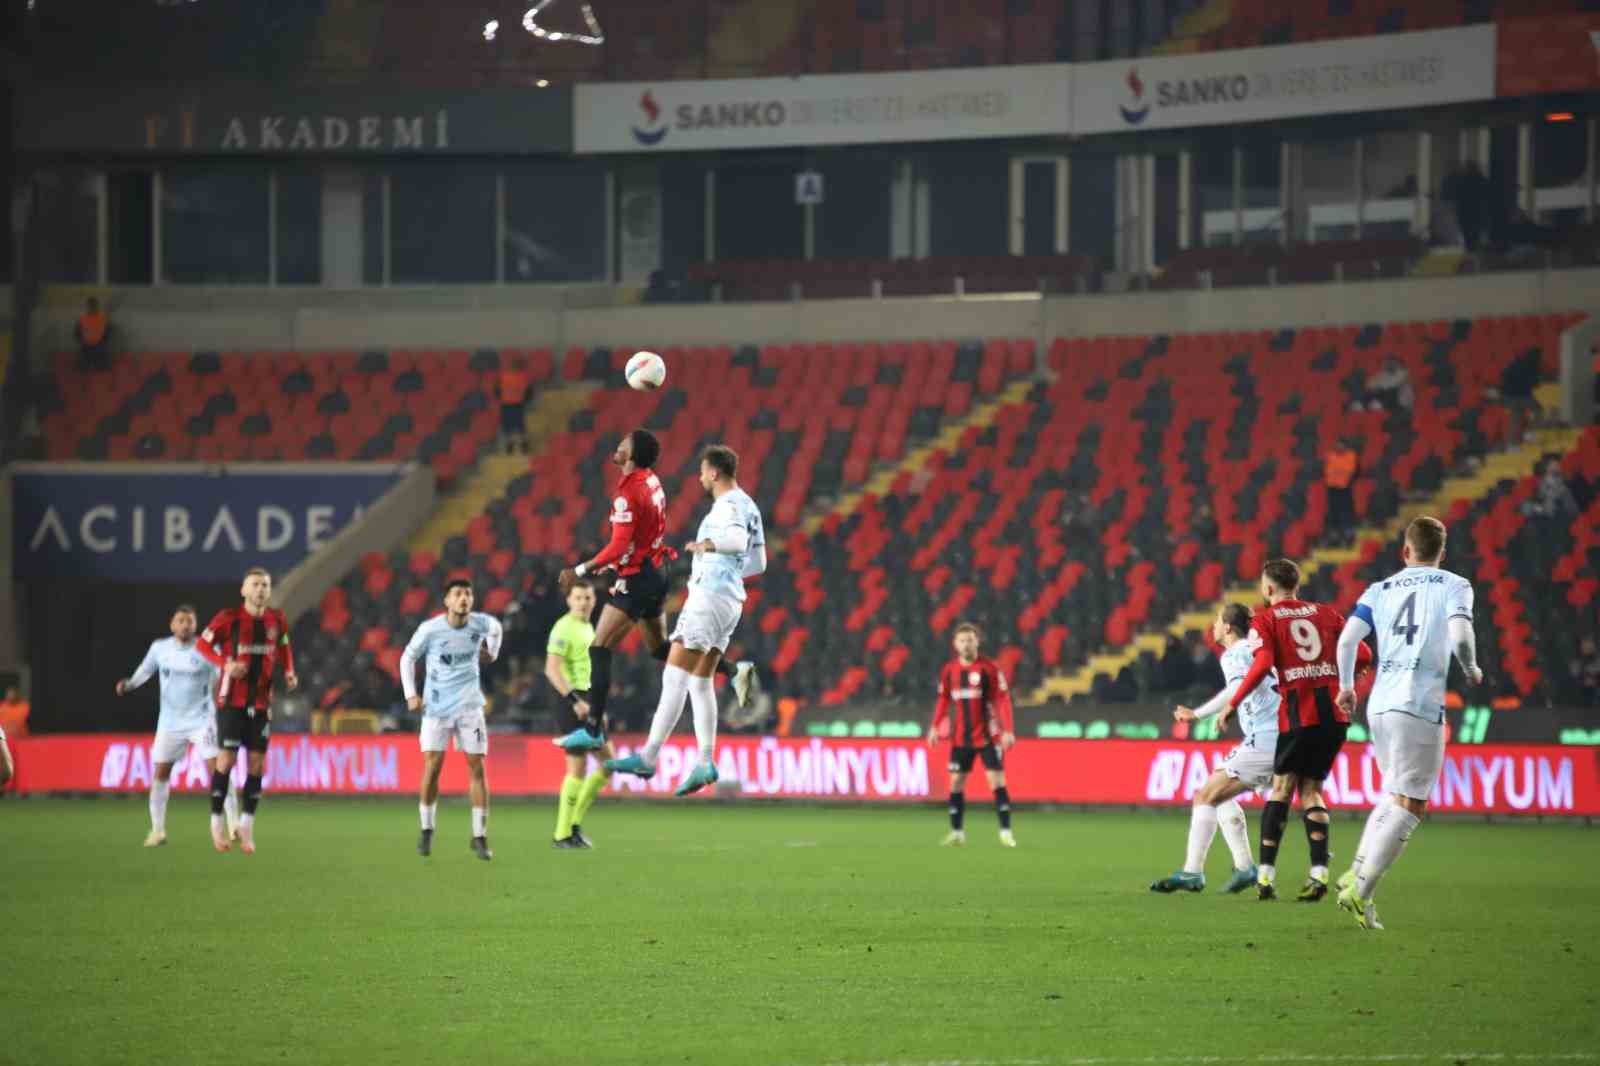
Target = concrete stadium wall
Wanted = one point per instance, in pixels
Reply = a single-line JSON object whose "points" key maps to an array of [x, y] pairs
{"points": [[244, 319]]}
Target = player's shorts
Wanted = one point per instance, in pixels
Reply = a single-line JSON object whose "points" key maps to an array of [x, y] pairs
{"points": [[470, 731], [511, 420], [238, 728], [961, 758], [1250, 766], [172, 744], [567, 719], [1410, 752], [641, 595], [1309, 752], [707, 621]]}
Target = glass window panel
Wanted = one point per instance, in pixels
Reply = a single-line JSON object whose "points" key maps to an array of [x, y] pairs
{"points": [[299, 225], [214, 226], [442, 223], [757, 217], [1560, 171], [852, 222], [65, 210], [128, 200], [373, 237], [555, 221], [1328, 189], [1091, 218], [1168, 172], [1211, 172], [968, 190], [683, 214], [1389, 183], [1261, 190]]}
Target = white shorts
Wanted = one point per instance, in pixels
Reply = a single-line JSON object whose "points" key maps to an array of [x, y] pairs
{"points": [[707, 621], [1247, 765], [1410, 753], [472, 735], [172, 745]]}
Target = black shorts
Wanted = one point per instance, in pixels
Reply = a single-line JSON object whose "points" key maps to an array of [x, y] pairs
{"points": [[240, 728], [1309, 752], [961, 758], [511, 420], [567, 719], [641, 595]]}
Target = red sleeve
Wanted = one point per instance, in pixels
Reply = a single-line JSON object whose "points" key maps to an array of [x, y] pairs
{"points": [[1260, 666], [621, 534], [283, 642], [1002, 701], [211, 636], [1363, 656], [941, 709]]}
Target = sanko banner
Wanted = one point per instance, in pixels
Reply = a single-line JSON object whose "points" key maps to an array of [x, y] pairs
{"points": [[1549, 54], [1392, 71], [183, 522], [1499, 779]]}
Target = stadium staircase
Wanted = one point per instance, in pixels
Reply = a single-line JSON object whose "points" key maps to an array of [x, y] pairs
{"points": [[1374, 543], [1187, 33]]}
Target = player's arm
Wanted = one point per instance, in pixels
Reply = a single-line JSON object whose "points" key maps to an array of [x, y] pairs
{"points": [[147, 669], [555, 672], [491, 641], [621, 537], [941, 713], [207, 647], [1462, 638], [728, 534], [1208, 709], [1260, 666], [1352, 643], [1003, 711], [287, 649], [415, 649]]}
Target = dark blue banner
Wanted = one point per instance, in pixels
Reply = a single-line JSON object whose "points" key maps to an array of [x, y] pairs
{"points": [[211, 524]]}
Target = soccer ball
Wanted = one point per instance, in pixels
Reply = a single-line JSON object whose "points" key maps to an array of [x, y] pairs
{"points": [[645, 371]]}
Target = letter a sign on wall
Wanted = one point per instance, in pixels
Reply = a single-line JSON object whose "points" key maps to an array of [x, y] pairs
{"points": [[808, 187]]}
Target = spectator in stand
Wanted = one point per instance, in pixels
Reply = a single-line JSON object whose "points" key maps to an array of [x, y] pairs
{"points": [[14, 713], [513, 387], [1553, 498], [1517, 382], [1467, 191], [1583, 674], [1339, 472], [94, 337], [1390, 388]]}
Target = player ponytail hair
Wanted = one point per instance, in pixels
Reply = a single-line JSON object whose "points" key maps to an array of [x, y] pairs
{"points": [[1236, 616], [1426, 535], [1283, 573], [646, 448]]}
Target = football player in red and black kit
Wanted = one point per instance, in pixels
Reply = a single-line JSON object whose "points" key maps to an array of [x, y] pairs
{"points": [[1300, 640], [247, 642], [974, 714], [639, 554]]}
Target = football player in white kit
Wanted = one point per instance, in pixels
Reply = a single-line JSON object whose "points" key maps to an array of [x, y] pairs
{"points": [[188, 714], [452, 645], [731, 546], [1418, 616], [1248, 766]]}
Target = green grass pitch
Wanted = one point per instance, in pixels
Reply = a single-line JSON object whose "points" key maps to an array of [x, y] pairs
{"points": [[698, 933]]}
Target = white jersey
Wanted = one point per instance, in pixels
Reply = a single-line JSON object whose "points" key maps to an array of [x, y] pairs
{"points": [[188, 685], [1258, 714], [723, 573], [453, 685], [1410, 614]]}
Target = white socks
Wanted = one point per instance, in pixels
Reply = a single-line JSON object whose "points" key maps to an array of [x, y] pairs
{"points": [[230, 804], [246, 820], [428, 812], [703, 699], [480, 821], [1236, 831], [1388, 829], [674, 691], [1202, 827], [159, 791]]}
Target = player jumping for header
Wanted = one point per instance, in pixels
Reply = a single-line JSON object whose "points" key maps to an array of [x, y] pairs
{"points": [[974, 714], [638, 596], [188, 713], [1248, 766], [731, 547], [1418, 617], [452, 645]]}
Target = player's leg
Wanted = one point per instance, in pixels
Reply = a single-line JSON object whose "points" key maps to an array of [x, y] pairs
{"points": [[1203, 823], [593, 785], [1319, 832], [995, 770], [1380, 751], [1416, 755], [1274, 819], [160, 790], [255, 769], [608, 633], [480, 805], [701, 667], [433, 750], [230, 738], [567, 801], [961, 760], [669, 708]]}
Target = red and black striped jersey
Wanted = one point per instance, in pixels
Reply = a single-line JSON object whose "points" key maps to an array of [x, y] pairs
{"points": [[1300, 640], [974, 703], [638, 526], [261, 643]]}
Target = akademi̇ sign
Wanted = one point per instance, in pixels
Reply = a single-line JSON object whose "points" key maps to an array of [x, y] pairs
{"points": [[1394, 71], [1501, 779], [938, 105]]}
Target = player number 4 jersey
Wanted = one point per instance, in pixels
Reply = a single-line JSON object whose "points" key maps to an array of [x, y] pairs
{"points": [[1410, 613]]}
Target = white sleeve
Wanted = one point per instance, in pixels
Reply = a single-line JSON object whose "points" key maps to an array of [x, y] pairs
{"points": [[756, 562], [1460, 602], [1215, 704], [1465, 642], [416, 648], [1355, 631], [730, 539], [147, 667], [492, 640]]}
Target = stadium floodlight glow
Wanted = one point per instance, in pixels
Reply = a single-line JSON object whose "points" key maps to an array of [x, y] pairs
{"points": [[594, 36], [542, 83], [491, 28]]}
